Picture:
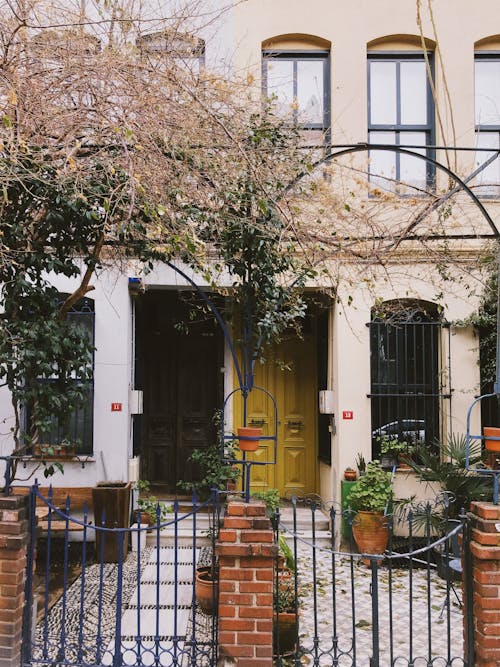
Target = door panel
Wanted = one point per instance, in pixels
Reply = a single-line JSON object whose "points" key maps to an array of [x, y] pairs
{"points": [[289, 374], [296, 389], [182, 389]]}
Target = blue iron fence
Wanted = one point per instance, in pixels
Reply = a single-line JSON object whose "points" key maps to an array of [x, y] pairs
{"points": [[140, 609], [405, 607]]}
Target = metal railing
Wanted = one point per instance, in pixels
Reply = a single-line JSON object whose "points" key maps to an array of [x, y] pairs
{"points": [[137, 606]]}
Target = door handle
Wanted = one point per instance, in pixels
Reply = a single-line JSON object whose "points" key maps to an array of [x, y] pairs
{"points": [[257, 422]]}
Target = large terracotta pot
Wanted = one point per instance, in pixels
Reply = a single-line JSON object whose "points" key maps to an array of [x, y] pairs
{"points": [[206, 589], [371, 532], [248, 437], [491, 432]]}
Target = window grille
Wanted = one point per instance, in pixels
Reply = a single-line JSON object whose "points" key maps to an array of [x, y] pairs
{"points": [[406, 382]]}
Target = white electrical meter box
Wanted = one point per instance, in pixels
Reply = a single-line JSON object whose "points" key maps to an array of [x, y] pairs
{"points": [[135, 401], [326, 402]]}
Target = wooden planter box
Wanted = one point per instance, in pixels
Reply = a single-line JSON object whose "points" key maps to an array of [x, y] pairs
{"points": [[53, 452]]}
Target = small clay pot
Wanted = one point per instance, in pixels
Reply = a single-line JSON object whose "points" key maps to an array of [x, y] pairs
{"points": [[492, 432], [206, 589], [248, 438], [350, 475]]}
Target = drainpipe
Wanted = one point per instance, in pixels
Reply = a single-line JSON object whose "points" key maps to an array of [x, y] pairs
{"points": [[496, 386]]}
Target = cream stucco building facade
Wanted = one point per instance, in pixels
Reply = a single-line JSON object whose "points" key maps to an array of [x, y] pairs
{"points": [[354, 71]]}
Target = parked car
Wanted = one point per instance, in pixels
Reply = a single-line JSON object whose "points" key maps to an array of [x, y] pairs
{"points": [[411, 430]]}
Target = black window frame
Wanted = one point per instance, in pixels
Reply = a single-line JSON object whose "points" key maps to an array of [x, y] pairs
{"points": [[403, 390], [84, 445], [429, 128], [491, 128], [296, 55]]}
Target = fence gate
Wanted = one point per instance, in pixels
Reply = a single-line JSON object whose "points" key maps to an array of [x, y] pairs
{"points": [[405, 608], [119, 596]]}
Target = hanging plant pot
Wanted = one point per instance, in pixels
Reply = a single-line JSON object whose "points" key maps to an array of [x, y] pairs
{"points": [[492, 432], [248, 438]]}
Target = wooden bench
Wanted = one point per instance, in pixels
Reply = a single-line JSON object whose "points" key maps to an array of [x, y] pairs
{"points": [[80, 496]]}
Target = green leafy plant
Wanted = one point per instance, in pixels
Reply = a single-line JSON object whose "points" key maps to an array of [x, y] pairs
{"points": [[446, 467], [150, 505], [284, 594], [271, 498], [360, 462], [286, 552], [373, 492], [214, 471], [393, 447]]}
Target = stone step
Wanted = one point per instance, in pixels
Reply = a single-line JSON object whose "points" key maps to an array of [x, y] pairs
{"points": [[185, 527]]}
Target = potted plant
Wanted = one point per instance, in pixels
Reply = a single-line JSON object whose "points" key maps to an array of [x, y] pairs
{"points": [[215, 472], [393, 451], [271, 499], [370, 499], [62, 450], [286, 625], [446, 466], [149, 507], [360, 463], [286, 561], [491, 432], [350, 475], [248, 438], [207, 580]]}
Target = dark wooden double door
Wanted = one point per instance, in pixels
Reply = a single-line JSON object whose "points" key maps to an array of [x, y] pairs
{"points": [[182, 353]]}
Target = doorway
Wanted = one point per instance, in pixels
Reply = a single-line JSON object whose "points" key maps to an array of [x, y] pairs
{"points": [[289, 373], [180, 349]]}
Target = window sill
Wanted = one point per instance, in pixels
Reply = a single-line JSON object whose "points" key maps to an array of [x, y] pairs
{"points": [[82, 458]]}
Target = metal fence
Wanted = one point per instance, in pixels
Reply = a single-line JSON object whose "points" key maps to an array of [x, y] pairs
{"points": [[119, 596], [404, 607]]}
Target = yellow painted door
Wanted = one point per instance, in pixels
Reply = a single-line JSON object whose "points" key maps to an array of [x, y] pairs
{"points": [[289, 374]]}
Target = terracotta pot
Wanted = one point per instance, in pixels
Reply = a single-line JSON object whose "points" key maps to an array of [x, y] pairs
{"points": [[206, 589], [371, 533], [285, 630], [248, 437], [491, 432], [59, 451], [350, 475]]}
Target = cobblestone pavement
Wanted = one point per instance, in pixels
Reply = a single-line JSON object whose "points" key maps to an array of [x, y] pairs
{"points": [[410, 636], [410, 633], [60, 638]]}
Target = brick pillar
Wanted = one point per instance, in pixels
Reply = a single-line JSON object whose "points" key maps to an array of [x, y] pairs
{"points": [[485, 550], [13, 547], [246, 558]]}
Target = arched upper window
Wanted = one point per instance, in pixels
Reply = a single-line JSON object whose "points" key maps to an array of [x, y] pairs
{"points": [[187, 51], [487, 112], [400, 112], [295, 78]]}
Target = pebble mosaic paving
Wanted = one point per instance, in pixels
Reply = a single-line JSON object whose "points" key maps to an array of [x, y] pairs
{"points": [[410, 633]]}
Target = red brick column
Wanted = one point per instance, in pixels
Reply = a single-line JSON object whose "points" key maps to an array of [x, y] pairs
{"points": [[13, 547], [485, 550], [246, 559]]}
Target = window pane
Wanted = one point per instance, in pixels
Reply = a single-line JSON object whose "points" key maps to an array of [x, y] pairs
{"points": [[487, 87], [280, 83], [310, 87], [382, 163], [383, 93], [413, 93], [489, 179], [412, 170]]}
